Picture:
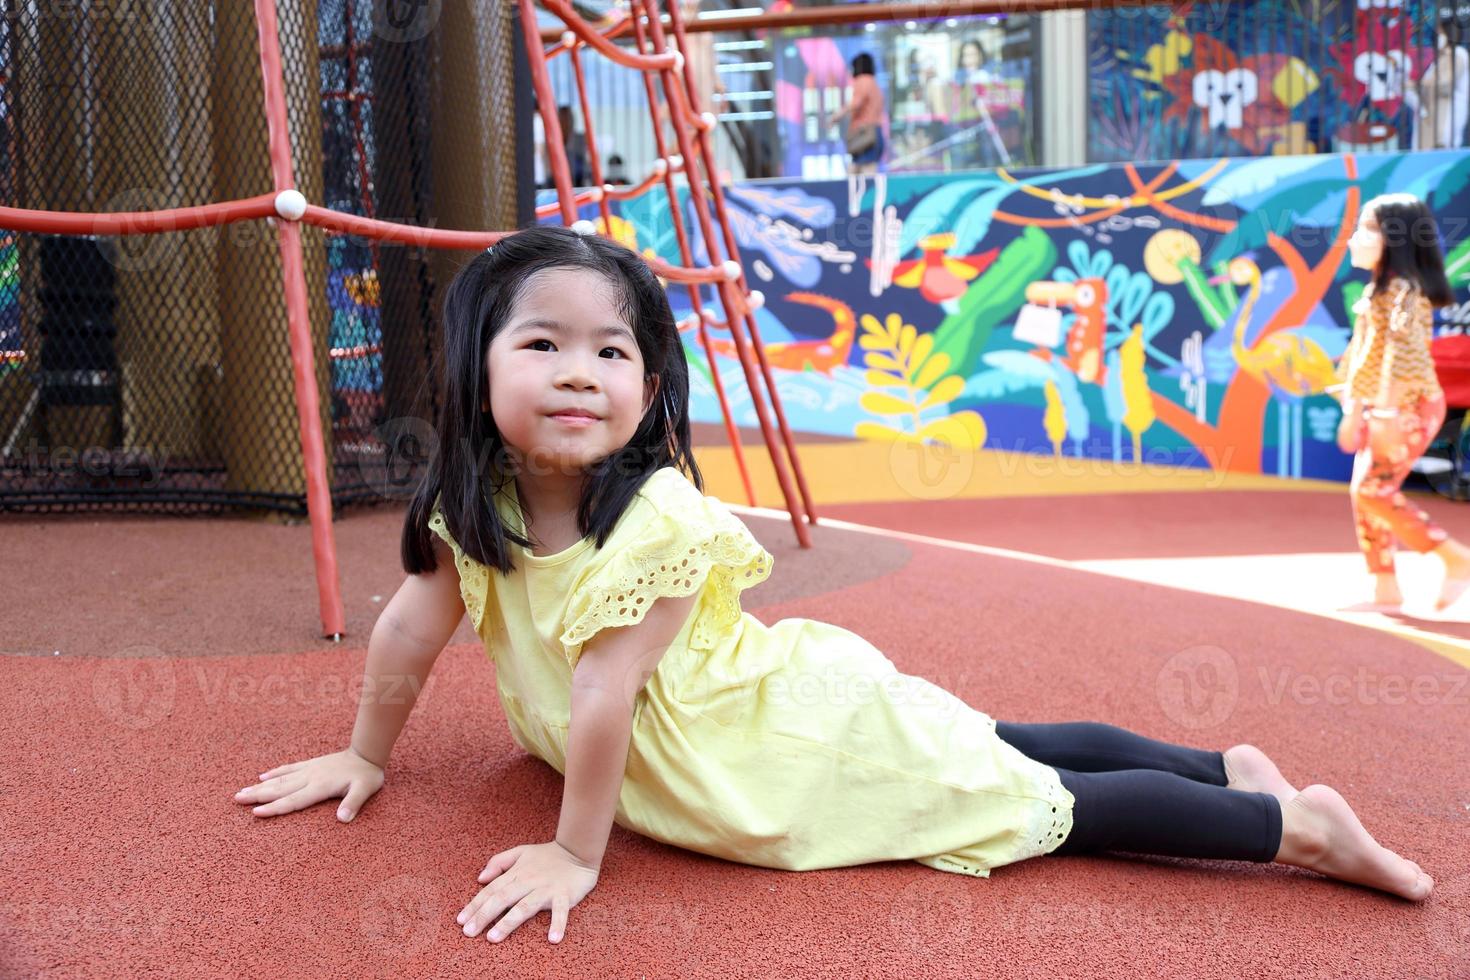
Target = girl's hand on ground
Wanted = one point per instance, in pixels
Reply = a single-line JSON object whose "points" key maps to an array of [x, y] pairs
{"points": [[525, 880], [298, 785]]}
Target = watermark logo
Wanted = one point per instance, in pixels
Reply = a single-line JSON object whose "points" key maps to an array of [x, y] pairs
{"points": [[135, 691], [1198, 688], [405, 21], [930, 470], [400, 916], [934, 911]]}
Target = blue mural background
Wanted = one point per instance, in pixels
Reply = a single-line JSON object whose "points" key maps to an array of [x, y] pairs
{"points": [[1202, 303]]}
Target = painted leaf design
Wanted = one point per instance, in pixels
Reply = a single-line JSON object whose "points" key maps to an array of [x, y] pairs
{"points": [[906, 339], [876, 430], [882, 362], [921, 350], [946, 391], [882, 404], [932, 369], [881, 379]]}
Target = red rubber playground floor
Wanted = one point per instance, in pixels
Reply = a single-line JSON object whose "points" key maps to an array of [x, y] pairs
{"points": [[153, 667]]}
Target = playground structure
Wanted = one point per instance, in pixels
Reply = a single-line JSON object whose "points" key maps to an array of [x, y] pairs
{"points": [[288, 208]]}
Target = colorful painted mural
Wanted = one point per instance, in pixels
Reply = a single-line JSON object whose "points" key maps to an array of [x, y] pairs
{"points": [[1184, 313], [1277, 76]]}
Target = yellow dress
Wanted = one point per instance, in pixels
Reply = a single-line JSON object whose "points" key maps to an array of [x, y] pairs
{"points": [[796, 746]]}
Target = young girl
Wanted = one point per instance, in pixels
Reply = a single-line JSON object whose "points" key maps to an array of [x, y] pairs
{"points": [[606, 586], [1391, 400]]}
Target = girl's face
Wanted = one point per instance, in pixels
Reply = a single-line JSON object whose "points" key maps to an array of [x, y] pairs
{"points": [[1365, 248], [566, 377], [970, 57]]}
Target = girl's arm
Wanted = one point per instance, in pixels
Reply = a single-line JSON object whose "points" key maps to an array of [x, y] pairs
{"points": [[614, 667], [406, 641], [408, 638]]}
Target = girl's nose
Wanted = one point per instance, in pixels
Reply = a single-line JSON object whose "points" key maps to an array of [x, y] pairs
{"points": [[576, 375]]}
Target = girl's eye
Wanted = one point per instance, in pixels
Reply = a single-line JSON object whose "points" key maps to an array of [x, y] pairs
{"points": [[540, 345], [613, 351]]}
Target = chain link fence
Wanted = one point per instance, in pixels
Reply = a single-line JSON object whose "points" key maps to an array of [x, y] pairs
{"points": [[152, 372]]}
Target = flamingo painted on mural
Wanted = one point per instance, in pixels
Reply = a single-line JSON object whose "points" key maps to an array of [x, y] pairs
{"points": [[1294, 364]]}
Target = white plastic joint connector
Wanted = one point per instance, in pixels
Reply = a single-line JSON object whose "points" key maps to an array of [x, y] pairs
{"points": [[731, 268], [660, 167], [756, 299], [676, 162], [678, 61], [707, 121], [568, 39], [584, 228], [595, 194], [290, 204]]}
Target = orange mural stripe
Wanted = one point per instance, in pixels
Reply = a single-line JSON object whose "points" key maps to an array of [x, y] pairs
{"points": [[1178, 214], [1016, 219]]}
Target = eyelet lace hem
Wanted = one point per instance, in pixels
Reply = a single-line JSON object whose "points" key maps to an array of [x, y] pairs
{"points": [[721, 562], [474, 578]]}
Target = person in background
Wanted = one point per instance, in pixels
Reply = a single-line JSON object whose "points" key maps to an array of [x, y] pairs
{"points": [[615, 173], [864, 112], [1392, 404], [1442, 97], [576, 147]]}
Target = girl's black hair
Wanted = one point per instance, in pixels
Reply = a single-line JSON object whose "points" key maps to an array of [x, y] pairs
{"points": [[471, 464], [862, 63], [1410, 247]]}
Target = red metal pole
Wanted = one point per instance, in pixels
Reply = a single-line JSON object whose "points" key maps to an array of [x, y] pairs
{"points": [[298, 321], [712, 246], [704, 139], [556, 150], [732, 433]]}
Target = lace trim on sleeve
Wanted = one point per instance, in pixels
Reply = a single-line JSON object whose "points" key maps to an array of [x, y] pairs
{"points": [[474, 578], [693, 555]]}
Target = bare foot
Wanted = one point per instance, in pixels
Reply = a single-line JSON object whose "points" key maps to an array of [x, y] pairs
{"points": [[1386, 591], [1456, 558], [1320, 832], [1249, 769]]}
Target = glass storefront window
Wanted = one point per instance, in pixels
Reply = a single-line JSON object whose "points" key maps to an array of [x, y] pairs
{"points": [[959, 93]]}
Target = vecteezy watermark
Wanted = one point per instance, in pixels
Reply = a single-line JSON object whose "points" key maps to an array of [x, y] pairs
{"points": [[639, 925], [1364, 686], [409, 444], [139, 688], [1199, 687], [142, 463], [136, 690], [934, 911], [93, 920], [401, 916], [404, 21], [930, 470], [219, 685]]}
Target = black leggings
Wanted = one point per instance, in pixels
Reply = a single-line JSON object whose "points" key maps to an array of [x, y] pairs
{"points": [[1135, 794]]}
